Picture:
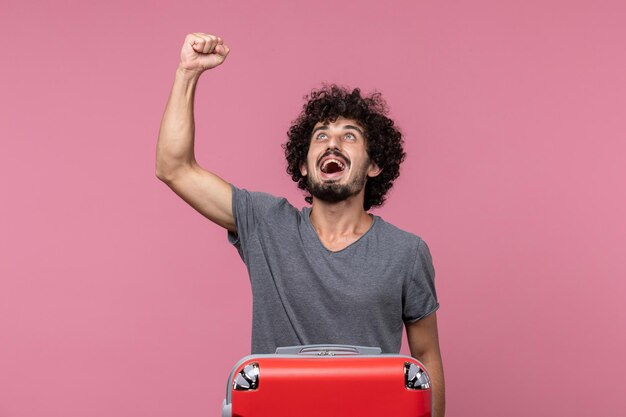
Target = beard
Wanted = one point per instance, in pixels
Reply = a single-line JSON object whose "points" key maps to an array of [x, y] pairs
{"points": [[333, 192]]}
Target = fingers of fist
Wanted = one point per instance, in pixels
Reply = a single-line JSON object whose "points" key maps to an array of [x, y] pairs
{"points": [[204, 43]]}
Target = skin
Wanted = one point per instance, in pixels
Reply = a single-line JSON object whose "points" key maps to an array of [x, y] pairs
{"points": [[337, 224]]}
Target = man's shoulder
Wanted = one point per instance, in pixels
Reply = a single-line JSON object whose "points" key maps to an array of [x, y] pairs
{"points": [[398, 234], [261, 200]]}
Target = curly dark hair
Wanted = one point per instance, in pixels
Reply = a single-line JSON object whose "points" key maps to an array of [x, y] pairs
{"points": [[383, 139]]}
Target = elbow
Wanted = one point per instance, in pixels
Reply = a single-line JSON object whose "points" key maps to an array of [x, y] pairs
{"points": [[162, 176], [428, 357], [168, 170], [165, 172], [160, 169]]}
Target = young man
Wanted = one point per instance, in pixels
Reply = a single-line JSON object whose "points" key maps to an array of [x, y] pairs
{"points": [[332, 272]]}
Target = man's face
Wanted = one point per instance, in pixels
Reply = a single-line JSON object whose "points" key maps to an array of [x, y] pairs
{"points": [[337, 164]]}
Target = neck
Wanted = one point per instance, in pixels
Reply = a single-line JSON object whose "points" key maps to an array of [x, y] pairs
{"points": [[339, 220]]}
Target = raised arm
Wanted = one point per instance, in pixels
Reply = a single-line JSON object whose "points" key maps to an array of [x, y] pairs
{"points": [[176, 165]]}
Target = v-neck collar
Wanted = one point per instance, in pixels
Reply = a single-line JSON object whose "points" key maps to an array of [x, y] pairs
{"points": [[306, 212]]}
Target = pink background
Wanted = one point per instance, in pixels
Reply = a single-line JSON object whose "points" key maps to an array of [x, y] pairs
{"points": [[118, 299]]}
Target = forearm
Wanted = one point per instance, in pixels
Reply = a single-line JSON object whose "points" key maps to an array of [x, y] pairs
{"points": [[434, 367], [175, 146]]}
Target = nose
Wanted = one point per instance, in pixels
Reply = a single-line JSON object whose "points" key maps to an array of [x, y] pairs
{"points": [[334, 142]]}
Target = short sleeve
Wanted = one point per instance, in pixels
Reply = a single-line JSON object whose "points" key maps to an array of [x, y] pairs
{"points": [[419, 297], [243, 213], [250, 208]]}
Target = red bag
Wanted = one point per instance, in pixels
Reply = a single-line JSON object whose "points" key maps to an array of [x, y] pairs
{"points": [[328, 381]]}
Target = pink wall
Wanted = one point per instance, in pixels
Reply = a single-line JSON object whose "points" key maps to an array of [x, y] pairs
{"points": [[117, 299]]}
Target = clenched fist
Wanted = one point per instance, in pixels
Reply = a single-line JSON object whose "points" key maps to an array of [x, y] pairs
{"points": [[202, 51]]}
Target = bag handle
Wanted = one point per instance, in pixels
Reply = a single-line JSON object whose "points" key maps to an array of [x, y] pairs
{"points": [[328, 350]]}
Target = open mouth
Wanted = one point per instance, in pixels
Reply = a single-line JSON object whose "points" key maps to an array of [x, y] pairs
{"points": [[332, 166]]}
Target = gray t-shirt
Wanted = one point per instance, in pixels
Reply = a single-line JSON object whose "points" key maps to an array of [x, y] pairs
{"points": [[303, 293]]}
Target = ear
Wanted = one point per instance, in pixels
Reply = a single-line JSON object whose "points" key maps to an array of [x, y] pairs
{"points": [[303, 169], [374, 170]]}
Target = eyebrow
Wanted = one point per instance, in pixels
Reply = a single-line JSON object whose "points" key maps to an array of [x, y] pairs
{"points": [[345, 127]]}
